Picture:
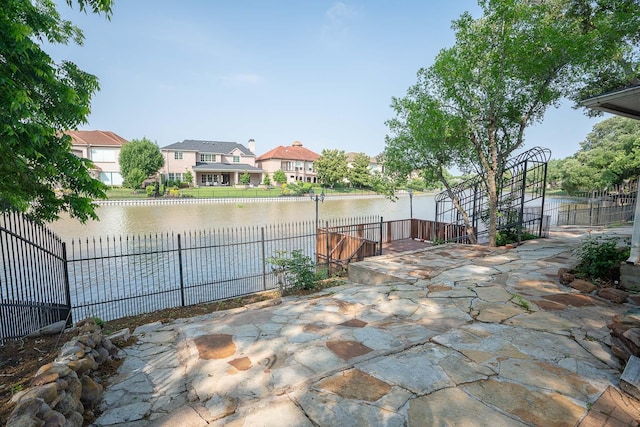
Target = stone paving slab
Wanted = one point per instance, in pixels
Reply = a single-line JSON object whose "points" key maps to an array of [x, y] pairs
{"points": [[448, 335]]}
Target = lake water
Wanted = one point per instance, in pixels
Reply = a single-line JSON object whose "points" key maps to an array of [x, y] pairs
{"points": [[128, 219]]}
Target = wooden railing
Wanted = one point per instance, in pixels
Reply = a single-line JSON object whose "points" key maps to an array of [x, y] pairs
{"points": [[336, 247]]}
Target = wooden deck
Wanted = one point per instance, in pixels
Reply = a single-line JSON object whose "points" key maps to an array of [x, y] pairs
{"points": [[404, 245]]}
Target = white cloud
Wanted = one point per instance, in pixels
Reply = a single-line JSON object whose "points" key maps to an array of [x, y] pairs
{"points": [[340, 12], [336, 27]]}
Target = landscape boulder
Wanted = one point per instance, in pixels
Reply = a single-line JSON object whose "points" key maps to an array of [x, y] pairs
{"points": [[583, 286], [64, 392], [614, 295]]}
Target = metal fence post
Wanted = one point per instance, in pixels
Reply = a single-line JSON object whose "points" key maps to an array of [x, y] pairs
{"points": [[326, 238], [381, 221], [264, 261], [67, 288], [180, 270]]}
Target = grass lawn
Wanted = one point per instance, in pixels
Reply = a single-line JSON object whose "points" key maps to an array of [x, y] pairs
{"points": [[119, 193]]}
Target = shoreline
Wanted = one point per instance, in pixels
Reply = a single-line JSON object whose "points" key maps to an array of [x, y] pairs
{"points": [[203, 200]]}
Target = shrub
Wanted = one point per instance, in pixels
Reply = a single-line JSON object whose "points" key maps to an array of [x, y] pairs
{"points": [[294, 272], [245, 178], [508, 236], [598, 255]]}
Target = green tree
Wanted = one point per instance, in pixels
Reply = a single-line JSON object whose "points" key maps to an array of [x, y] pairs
{"points": [[555, 169], [245, 179], [503, 73], [359, 172], [267, 180], [425, 137], [331, 167], [141, 154], [188, 178], [41, 99], [135, 178], [609, 155], [280, 177]]}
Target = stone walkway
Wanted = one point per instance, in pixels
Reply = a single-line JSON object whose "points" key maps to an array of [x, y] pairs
{"points": [[444, 336]]}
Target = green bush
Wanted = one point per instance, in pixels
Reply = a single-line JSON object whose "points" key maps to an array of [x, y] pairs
{"points": [[508, 236], [295, 271], [297, 188], [151, 190], [598, 255], [245, 178]]}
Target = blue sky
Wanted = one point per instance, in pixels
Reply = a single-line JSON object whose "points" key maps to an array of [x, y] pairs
{"points": [[321, 72]]}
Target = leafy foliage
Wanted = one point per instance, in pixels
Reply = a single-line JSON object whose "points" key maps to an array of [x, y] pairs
{"points": [[417, 184], [297, 188], [266, 181], [296, 270], [359, 174], [609, 155], [508, 236], [331, 167], [151, 190], [245, 178], [134, 178], [280, 177], [188, 178], [597, 255], [41, 100], [139, 158]]}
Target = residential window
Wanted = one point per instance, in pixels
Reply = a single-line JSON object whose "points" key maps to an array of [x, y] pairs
{"points": [[207, 157], [236, 159], [287, 166], [177, 155], [103, 155], [176, 176]]}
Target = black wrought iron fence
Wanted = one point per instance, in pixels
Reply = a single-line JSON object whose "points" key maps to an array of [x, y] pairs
{"points": [[113, 277], [33, 277]]}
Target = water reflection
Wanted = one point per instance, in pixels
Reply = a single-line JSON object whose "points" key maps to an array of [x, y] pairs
{"points": [[119, 220]]}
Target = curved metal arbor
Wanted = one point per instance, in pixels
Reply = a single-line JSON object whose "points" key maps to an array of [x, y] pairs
{"points": [[520, 198]]}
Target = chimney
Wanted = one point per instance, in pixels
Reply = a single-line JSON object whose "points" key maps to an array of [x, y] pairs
{"points": [[252, 146]]}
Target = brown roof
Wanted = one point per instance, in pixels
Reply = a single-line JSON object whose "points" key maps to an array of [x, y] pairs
{"points": [[351, 156], [294, 151], [96, 138]]}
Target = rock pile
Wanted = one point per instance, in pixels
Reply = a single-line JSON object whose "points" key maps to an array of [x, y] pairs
{"points": [[618, 296], [65, 392], [625, 334], [625, 328]]}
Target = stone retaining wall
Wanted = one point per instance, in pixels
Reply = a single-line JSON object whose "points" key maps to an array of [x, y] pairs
{"points": [[65, 392]]}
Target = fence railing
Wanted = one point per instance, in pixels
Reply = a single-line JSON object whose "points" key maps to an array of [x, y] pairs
{"points": [[338, 246], [589, 212], [33, 277], [113, 277]]}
